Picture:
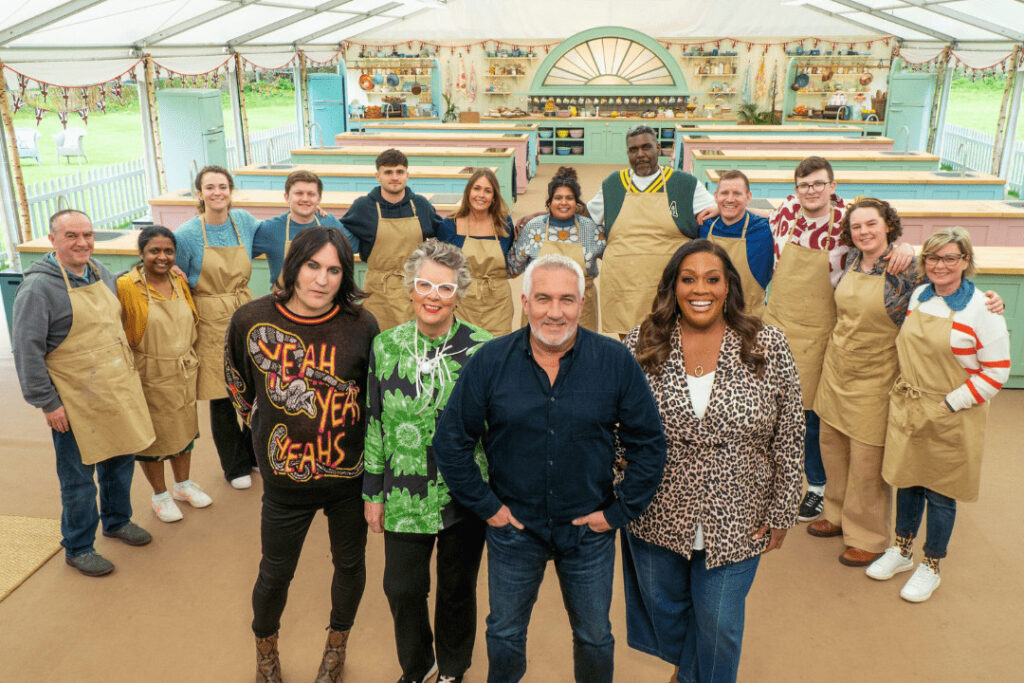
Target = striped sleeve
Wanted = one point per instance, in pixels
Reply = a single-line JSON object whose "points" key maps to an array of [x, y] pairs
{"points": [[980, 342]]}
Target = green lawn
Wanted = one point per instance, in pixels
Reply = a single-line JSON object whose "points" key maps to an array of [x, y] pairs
{"points": [[117, 137]]}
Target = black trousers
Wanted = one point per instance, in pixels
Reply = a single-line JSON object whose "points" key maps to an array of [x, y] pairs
{"points": [[407, 585], [282, 532], [233, 441]]}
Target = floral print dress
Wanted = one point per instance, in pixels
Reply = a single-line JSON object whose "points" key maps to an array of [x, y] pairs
{"points": [[410, 379]]}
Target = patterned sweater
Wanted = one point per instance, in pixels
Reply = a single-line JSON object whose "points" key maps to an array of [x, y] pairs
{"points": [[738, 467], [812, 233], [403, 404], [980, 343]]}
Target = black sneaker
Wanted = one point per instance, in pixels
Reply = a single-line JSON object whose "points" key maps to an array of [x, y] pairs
{"points": [[810, 507], [91, 564]]}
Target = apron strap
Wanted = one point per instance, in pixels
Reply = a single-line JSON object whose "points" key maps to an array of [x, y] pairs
{"points": [[202, 223], [64, 273], [380, 217]]}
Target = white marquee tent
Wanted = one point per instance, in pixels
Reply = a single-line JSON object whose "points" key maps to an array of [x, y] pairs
{"points": [[87, 42]]}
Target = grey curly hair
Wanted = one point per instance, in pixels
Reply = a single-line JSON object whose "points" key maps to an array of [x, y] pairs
{"points": [[443, 254]]}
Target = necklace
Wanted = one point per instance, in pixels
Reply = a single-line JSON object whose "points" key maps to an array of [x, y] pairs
{"points": [[698, 371], [429, 367]]}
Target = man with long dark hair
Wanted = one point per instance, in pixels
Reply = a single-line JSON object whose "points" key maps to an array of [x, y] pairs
{"points": [[295, 365]]}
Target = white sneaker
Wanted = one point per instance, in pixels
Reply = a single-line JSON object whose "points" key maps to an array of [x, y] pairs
{"points": [[242, 482], [430, 674], [165, 508], [921, 585], [890, 564], [189, 491]]}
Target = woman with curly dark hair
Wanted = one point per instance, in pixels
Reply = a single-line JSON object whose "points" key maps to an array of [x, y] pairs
{"points": [[859, 369], [729, 398]]}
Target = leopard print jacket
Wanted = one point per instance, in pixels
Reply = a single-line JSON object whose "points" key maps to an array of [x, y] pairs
{"points": [[739, 467]]}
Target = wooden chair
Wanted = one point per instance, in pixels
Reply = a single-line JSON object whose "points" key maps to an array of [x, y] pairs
{"points": [[69, 144]]}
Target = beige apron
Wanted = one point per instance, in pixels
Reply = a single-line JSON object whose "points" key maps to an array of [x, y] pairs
{"points": [[802, 304], [488, 301], [396, 239], [736, 248], [95, 376], [927, 445], [168, 367], [279, 283], [640, 244], [222, 288], [860, 364], [574, 251]]}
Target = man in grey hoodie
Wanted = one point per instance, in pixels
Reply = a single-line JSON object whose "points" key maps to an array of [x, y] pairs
{"points": [[43, 318]]}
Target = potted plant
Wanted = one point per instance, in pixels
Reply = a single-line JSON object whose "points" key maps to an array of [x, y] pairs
{"points": [[752, 115], [451, 113]]}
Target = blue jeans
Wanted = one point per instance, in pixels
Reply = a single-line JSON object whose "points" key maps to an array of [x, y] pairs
{"points": [[78, 494], [941, 515], [683, 612], [516, 560], [813, 467]]}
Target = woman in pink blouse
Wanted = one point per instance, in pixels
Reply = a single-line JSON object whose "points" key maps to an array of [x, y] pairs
{"points": [[730, 403]]}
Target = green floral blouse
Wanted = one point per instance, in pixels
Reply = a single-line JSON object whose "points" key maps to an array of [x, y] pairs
{"points": [[410, 379]]}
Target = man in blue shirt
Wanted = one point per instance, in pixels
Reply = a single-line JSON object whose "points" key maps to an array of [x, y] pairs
{"points": [[548, 402], [746, 237], [303, 191]]}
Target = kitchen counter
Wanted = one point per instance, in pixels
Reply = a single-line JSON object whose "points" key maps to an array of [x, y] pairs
{"points": [[355, 177], [930, 185], [686, 144], [660, 120]]}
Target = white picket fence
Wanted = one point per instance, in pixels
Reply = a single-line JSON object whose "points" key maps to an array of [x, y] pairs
{"points": [[973, 149], [111, 195], [266, 146]]}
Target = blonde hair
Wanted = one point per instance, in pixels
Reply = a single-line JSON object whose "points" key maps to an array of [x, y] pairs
{"points": [[956, 235]]}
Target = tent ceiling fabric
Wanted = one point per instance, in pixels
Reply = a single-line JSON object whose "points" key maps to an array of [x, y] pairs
{"points": [[90, 41]]}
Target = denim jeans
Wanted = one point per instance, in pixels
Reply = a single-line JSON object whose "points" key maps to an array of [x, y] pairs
{"points": [[683, 612], [813, 467], [910, 504], [516, 560], [78, 494]]}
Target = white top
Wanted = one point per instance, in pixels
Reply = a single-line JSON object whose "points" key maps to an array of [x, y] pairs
{"points": [[979, 342], [702, 199], [700, 395]]}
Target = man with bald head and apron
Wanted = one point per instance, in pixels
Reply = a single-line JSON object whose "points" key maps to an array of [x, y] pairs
{"points": [[389, 223], [74, 363], [648, 212]]}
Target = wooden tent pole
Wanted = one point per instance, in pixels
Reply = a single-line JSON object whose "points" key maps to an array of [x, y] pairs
{"points": [[15, 161], [154, 123], [937, 99], [243, 134], [303, 76], [997, 144]]}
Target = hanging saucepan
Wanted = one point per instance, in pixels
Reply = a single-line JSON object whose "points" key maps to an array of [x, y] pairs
{"points": [[866, 78], [378, 79], [826, 74], [366, 82], [393, 80], [416, 89], [801, 81]]}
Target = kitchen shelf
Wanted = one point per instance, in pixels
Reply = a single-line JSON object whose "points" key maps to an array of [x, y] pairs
{"points": [[510, 59], [709, 57], [504, 75]]}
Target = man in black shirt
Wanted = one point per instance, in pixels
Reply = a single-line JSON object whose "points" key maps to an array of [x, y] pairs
{"points": [[547, 402]]}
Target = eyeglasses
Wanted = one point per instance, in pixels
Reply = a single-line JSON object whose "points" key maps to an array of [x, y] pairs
{"points": [[445, 290], [807, 187], [948, 259]]}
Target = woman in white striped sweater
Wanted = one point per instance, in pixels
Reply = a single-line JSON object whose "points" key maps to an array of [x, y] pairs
{"points": [[954, 355]]}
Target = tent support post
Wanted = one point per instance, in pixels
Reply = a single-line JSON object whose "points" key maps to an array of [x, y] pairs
{"points": [[154, 124], [1011, 128], [1001, 134], [15, 162], [236, 86], [304, 103], [9, 200], [299, 90], [939, 103], [148, 150]]}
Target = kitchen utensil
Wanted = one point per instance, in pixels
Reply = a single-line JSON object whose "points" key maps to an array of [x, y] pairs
{"points": [[562, 151], [544, 133], [575, 132], [393, 80], [801, 81], [416, 89], [378, 79], [577, 150], [366, 82], [866, 78], [826, 74]]}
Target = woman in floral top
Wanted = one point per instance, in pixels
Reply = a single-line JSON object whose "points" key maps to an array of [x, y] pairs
{"points": [[413, 368]]}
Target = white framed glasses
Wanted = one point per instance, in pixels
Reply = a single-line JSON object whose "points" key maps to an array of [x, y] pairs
{"points": [[445, 290]]}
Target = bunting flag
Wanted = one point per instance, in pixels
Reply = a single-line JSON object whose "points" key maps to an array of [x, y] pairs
{"points": [[40, 113], [101, 104], [62, 116], [84, 114], [65, 93], [43, 88], [17, 102], [22, 84]]}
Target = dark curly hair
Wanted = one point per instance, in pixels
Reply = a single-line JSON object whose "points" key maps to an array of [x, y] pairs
{"points": [[565, 177], [655, 340], [888, 214]]}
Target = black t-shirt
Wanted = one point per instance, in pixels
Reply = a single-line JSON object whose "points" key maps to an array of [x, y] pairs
{"points": [[301, 385]]}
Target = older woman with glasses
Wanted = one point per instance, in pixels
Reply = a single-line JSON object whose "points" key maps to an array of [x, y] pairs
{"points": [[413, 368], [954, 355]]}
